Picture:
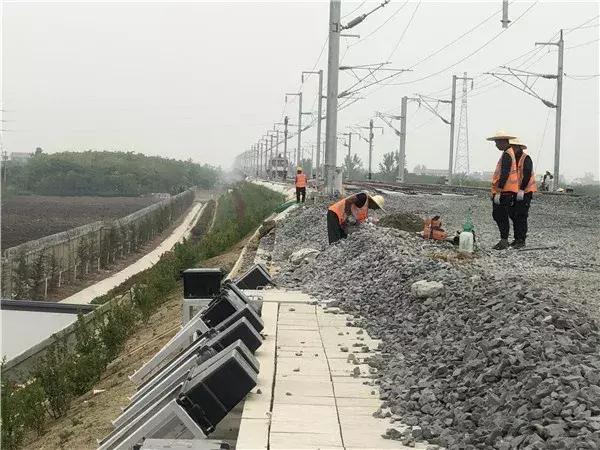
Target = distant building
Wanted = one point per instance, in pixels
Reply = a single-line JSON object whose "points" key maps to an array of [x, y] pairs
{"points": [[431, 172], [20, 156], [483, 176]]}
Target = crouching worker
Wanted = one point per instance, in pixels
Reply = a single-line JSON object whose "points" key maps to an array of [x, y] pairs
{"points": [[350, 210]]}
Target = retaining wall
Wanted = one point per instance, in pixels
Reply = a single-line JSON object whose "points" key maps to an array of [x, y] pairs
{"points": [[33, 269]]}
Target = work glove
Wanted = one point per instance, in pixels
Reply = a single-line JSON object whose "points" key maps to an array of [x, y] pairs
{"points": [[497, 199], [520, 196]]}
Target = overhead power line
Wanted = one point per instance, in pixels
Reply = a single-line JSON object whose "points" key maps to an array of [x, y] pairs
{"points": [[380, 26], [583, 25], [431, 55], [405, 30], [582, 77], [582, 44], [474, 52], [354, 10]]}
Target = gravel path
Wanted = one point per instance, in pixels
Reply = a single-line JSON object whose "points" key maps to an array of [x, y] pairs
{"points": [[497, 351], [571, 224]]}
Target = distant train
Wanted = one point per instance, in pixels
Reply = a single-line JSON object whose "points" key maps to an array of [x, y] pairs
{"points": [[278, 168]]}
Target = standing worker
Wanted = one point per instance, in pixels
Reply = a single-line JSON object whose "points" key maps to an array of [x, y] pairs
{"points": [[350, 210], [513, 185], [300, 185]]}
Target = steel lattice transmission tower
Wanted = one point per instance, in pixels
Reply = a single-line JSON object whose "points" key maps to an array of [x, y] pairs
{"points": [[461, 163]]}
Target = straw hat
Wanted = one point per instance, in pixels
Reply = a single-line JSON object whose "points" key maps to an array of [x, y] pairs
{"points": [[516, 141], [501, 135], [378, 200], [299, 168]]}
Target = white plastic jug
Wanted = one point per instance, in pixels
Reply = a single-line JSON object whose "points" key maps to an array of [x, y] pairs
{"points": [[465, 242]]}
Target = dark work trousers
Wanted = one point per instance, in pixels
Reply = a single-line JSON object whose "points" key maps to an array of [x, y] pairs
{"points": [[518, 213], [500, 214], [300, 192], [334, 229], [510, 208]]}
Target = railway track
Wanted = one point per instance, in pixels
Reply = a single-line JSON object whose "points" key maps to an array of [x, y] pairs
{"points": [[432, 188]]}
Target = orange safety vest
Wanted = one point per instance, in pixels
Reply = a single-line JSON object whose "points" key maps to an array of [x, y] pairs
{"points": [[360, 214], [339, 208], [301, 180], [515, 175], [433, 229]]}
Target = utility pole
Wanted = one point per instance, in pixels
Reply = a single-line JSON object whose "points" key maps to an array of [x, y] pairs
{"points": [[349, 144], [266, 155], [299, 94], [319, 112], [559, 85], [333, 67], [4, 164], [370, 147], [269, 166], [299, 124], [277, 141], [260, 158], [370, 141], [402, 148], [452, 114], [319, 116], [505, 20]]}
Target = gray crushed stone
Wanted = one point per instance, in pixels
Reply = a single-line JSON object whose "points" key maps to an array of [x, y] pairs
{"points": [[501, 357]]}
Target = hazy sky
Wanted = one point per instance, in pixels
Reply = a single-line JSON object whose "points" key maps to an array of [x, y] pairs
{"points": [[206, 80]]}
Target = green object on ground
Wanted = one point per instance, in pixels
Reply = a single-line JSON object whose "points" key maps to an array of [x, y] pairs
{"points": [[468, 225], [284, 206]]}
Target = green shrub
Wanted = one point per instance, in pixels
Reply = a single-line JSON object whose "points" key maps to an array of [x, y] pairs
{"points": [[32, 399], [89, 360], [21, 277], [13, 423], [116, 327], [144, 300], [54, 378]]}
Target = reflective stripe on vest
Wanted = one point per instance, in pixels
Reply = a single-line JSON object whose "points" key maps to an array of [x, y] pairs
{"points": [[339, 208], [301, 180], [515, 176], [360, 214]]}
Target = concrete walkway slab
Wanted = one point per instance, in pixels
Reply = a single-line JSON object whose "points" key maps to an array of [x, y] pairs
{"points": [[319, 399]]}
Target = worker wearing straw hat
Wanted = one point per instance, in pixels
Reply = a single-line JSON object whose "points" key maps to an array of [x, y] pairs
{"points": [[352, 210], [513, 185]]}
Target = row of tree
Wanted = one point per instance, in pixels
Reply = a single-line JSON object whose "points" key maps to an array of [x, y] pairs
{"points": [[106, 174], [36, 278]]}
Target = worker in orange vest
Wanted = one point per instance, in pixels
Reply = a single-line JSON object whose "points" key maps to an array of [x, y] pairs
{"points": [[300, 185], [513, 185], [349, 211]]}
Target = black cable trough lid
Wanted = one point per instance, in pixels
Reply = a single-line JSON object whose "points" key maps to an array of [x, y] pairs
{"points": [[44, 306]]}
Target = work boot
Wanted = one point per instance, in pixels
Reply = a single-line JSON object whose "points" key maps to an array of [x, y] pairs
{"points": [[501, 245], [518, 243]]}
